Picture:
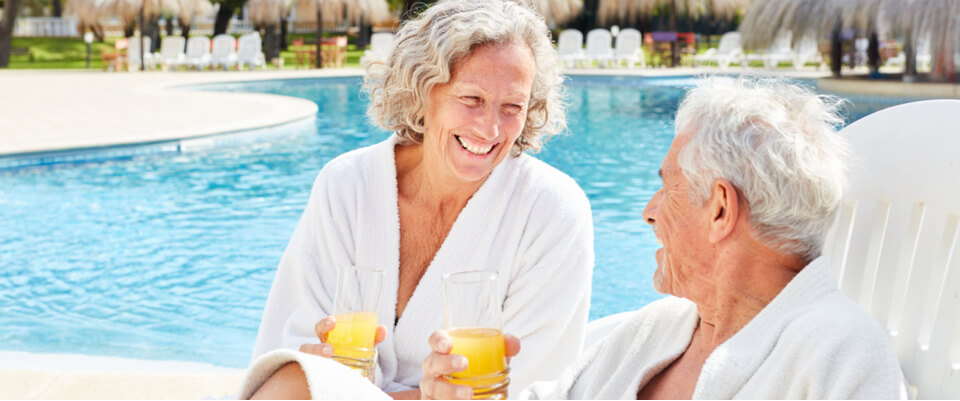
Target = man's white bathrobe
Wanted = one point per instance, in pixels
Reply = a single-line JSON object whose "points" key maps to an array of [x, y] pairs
{"points": [[810, 342], [529, 221]]}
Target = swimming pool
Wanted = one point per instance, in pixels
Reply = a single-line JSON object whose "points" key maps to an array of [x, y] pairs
{"points": [[168, 255]]}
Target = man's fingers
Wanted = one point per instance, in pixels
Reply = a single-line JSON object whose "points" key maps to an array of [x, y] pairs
{"points": [[440, 342], [324, 326], [325, 350]]}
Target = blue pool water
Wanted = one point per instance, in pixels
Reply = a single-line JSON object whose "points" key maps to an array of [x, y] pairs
{"points": [[171, 256]]}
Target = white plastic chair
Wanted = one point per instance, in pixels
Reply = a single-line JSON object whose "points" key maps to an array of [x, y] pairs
{"points": [[806, 51], [171, 51], [599, 48], [778, 52], [895, 246], [628, 48], [224, 53], [198, 52], [570, 47], [249, 52], [133, 54], [729, 51], [381, 44]]}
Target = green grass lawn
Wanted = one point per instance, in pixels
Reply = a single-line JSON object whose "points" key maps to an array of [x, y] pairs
{"points": [[71, 53], [46, 53]]}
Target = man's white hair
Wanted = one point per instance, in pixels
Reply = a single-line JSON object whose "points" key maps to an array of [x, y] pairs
{"points": [[776, 142]]}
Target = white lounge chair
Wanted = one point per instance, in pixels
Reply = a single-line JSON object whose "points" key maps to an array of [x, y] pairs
{"points": [[599, 48], [807, 51], [778, 52], [198, 52], [249, 52], [628, 48], [570, 47], [728, 52], [895, 246], [381, 44], [171, 52], [133, 54], [224, 53]]}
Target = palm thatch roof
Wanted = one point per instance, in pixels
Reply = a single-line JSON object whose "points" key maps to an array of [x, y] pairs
{"points": [[267, 11], [193, 9], [632, 10], [938, 20], [355, 11], [557, 11], [88, 12]]}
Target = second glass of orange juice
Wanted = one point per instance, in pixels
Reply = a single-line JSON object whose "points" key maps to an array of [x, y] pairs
{"points": [[472, 313], [355, 309]]}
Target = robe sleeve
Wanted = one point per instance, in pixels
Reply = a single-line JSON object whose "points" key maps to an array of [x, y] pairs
{"points": [[548, 298]]}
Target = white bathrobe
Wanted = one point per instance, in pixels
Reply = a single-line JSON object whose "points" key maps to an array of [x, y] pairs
{"points": [[810, 342], [529, 221]]}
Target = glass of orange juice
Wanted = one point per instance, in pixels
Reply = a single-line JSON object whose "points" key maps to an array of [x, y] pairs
{"points": [[471, 307], [355, 309]]}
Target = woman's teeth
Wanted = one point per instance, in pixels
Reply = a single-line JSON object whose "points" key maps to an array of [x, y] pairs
{"points": [[477, 150]]}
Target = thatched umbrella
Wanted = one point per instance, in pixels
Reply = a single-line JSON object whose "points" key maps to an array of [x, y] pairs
{"points": [[268, 14], [361, 12], [189, 11], [89, 13], [558, 11], [935, 20], [632, 10]]}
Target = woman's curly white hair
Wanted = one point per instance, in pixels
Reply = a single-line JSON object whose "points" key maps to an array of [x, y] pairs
{"points": [[429, 47]]}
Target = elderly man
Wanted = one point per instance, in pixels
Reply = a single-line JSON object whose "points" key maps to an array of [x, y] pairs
{"points": [[750, 187]]}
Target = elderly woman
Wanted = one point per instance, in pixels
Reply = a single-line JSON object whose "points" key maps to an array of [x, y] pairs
{"points": [[470, 86], [750, 187]]}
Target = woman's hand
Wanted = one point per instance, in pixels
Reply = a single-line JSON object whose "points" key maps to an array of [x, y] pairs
{"points": [[441, 362], [323, 328]]}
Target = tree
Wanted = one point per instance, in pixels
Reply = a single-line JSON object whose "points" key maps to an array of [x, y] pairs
{"points": [[10, 9]]}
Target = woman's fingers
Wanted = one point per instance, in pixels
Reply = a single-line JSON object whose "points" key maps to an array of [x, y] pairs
{"points": [[512, 346], [324, 326], [381, 335], [325, 350], [440, 342]]}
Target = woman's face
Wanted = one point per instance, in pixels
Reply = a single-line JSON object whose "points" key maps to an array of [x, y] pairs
{"points": [[473, 120]]}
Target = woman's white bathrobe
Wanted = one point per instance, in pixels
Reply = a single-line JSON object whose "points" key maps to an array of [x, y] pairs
{"points": [[528, 220], [810, 342]]}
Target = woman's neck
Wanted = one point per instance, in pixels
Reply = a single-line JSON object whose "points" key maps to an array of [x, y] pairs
{"points": [[429, 184]]}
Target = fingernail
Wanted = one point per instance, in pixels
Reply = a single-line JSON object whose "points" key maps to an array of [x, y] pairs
{"points": [[327, 349], [445, 345], [464, 392], [460, 362]]}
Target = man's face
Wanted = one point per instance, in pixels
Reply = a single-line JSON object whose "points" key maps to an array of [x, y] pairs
{"points": [[681, 228]]}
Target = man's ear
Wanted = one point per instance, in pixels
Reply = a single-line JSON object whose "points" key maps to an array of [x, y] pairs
{"points": [[724, 206]]}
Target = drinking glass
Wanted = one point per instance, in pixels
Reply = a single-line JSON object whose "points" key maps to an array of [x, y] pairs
{"points": [[355, 309], [472, 313]]}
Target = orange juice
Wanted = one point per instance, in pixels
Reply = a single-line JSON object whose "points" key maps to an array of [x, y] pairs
{"points": [[487, 369], [353, 339]]}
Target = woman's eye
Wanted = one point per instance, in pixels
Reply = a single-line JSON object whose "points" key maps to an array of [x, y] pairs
{"points": [[513, 108], [471, 100]]}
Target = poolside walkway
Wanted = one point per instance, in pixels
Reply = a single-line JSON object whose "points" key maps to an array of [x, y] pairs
{"points": [[56, 110]]}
